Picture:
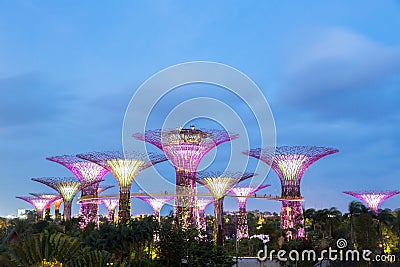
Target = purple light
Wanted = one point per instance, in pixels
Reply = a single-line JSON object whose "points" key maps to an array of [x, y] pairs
{"points": [[290, 163], [242, 193], [111, 204], [373, 199], [124, 168], [202, 204], [156, 204], [185, 148]]}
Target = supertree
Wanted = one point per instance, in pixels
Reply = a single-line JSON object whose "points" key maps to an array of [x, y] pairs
{"points": [[185, 148], [156, 204], [373, 199], [53, 197], [242, 193], [103, 188], [39, 204], [111, 204], [89, 174], [57, 205], [124, 168], [67, 187], [202, 204], [219, 184], [290, 163]]}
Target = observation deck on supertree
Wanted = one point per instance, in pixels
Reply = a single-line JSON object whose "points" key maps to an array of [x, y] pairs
{"points": [[373, 199], [290, 163], [219, 184], [111, 204], [242, 193], [124, 168], [156, 204], [67, 187], [88, 173], [202, 204], [39, 204], [185, 148], [53, 197]]}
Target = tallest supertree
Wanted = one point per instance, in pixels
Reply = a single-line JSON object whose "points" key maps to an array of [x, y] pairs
{"points": [[185, 148], [290, 163]]}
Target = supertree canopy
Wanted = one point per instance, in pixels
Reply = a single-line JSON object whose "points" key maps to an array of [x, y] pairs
{"points": [[39, 204], [88, 173], [53, 197], [373, 199], [124, 168], [242, 193], [290, 163], [156, 203], [202, 204], [218, 184], [111, 204], [67, 187], [185, 148]]}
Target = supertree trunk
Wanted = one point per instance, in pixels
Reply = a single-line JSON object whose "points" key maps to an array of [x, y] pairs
{"points": [[88, 210], [292, 217], [186, 211], [124, 212], [47, 213], [203, 220], [57, 214], [218, 232], [67, 210], [111, 215], [242, 227], [39, 215]]}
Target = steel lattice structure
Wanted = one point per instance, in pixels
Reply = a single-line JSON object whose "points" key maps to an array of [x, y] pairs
{"points": [[185, 148], [103, 188], [53, 197], [39, 204], [88, 173], [202, 204], [373, 199], [290, 163], [156, 204], [219, 184], [67, 187], [124, 168], [242, 193], [111, 204]]}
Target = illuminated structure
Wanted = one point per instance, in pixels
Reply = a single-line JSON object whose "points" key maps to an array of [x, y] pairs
{"points": [[218, 184], [156, 204], [185, 148], [242, 193], [89, 174], [103, 188], [124, 169], [111, 204], [53, 197], [373, 199], [290, 163], [67, 187], [202, 204], [39, 204], [57, 205]]}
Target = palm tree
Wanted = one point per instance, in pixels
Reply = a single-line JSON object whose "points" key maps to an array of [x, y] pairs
{"points": [[355, 208]]}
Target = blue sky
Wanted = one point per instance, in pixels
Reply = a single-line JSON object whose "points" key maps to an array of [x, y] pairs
{"points": [[329, 70]]}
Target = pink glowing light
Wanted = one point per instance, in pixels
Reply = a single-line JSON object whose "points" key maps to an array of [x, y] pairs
{"points": [[373, 199]]}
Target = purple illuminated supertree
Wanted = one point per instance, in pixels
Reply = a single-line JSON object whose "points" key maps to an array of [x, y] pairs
{"points": [[89, 174], [67, 187], [242, 193], [53, 197], [124, 168], [156, 204], [202, 204], [290, 163], [185, 148], [39, 204], [219, 184], [373, 199], [111, 204]]}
